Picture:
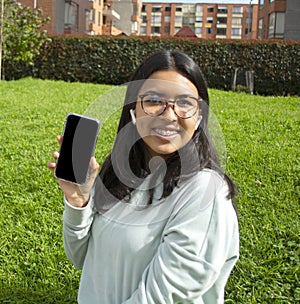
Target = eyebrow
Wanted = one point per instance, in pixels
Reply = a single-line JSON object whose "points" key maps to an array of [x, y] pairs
{"points": [[163, 95], [153, 92]]}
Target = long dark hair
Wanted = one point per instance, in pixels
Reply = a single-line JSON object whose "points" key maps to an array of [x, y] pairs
{"points": [[128, 164]]}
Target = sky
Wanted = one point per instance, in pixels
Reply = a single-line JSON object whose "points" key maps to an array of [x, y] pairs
{"points": [[205, 1]]}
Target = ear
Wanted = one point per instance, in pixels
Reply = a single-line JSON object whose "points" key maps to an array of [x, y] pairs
{"points": [[133, 118], [198, 122]]}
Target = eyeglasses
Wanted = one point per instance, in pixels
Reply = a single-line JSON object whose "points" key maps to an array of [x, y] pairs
{"points": [[183, 106]]}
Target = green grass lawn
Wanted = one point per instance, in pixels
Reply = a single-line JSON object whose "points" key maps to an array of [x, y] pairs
{"points": [[262, 156]]}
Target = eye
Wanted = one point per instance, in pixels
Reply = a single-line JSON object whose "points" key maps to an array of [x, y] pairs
{"points": [[152, 100], [186, 102]]}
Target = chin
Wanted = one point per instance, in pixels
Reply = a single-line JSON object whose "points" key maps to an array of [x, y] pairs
{"points": [[163, 152], [160, 148]]}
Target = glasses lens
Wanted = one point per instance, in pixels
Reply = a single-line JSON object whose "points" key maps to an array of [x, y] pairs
{"points": [[186, 107], [153, 105]]}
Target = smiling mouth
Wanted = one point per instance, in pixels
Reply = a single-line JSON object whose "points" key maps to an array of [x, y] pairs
{"points": [[165, 133]]}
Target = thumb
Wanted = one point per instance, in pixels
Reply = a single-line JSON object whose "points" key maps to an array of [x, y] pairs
{"points": [[91, 177], [93, 170]]}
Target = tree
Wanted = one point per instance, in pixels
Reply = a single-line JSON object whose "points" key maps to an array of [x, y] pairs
{"points": [[21, 32]]}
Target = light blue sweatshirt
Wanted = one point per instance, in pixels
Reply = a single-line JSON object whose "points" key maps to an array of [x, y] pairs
{"points": [[180, 249]]}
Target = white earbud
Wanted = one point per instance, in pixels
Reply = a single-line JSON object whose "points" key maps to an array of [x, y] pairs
{"points": [[133, 118], [198, 122]]}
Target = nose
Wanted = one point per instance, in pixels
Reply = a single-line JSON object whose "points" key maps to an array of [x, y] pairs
{"points": [[169, 112]]}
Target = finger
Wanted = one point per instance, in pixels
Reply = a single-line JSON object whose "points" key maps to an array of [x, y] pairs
{"points": [[93, 169], [59, 139], [51, 166], [55, 155], [93, 164]]}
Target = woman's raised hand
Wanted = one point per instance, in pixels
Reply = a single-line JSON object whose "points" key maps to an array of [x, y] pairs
{"points": [[76, 195]]}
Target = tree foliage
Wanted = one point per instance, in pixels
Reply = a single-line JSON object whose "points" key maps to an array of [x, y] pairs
{"points": [[22, 32]]}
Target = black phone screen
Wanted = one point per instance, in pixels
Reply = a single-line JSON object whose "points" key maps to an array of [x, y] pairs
{"points": [[77, 148]]}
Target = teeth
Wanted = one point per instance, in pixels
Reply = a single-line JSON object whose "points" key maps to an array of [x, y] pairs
{"points": [[165, 132]]}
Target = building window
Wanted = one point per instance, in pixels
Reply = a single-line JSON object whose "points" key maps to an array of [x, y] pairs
{"points": [[199, 9], [261, 2], [222, 20], [191, 20], [156, 9], [167, 30], [143, 30], [247, 30], [178, 8], [99, 19], [198, 30], [144, 19], [222, 10], [209, 30], [188, 20], [168, 8], [236, 32], [199, 18], [144, 8], [221, 31], [86, 20], [236, 21], [167, 19], [156, 19], [260, 26], [210, 9], [92, 16], [272, 22], [178, 19], [71, 16], [209, 20], [188, 9], [276, 25], [249, 10], [155, 30], [237, 10], [134, 27]]}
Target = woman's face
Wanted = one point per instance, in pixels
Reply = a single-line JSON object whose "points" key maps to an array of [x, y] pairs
{"points": [[166, 133]]}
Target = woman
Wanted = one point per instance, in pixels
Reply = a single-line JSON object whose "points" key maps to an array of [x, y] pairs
{"points": [[157, 225]]}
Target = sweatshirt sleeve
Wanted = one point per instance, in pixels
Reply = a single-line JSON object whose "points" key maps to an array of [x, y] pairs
{"points": [[76, 231], [198, 250]]}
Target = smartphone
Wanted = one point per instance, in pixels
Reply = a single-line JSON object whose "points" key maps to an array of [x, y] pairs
{"points": [[77, 147]]}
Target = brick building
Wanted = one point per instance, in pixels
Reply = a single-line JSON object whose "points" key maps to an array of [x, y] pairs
{"points": [[49, 10], [279, 19], [209, 19], [91, 17]]}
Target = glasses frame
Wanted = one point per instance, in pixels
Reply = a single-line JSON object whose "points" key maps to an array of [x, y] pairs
{"points": [[170, 101]]}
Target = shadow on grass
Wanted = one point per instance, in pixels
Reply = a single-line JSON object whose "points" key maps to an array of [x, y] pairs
{"points": [[34, 297]]}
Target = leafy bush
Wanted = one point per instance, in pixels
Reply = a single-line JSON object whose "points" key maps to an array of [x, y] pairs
{"points": [[110, 60], [22, 35]]}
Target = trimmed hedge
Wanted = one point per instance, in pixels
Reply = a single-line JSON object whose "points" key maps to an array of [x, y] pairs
{"points": [[111, 60]]}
